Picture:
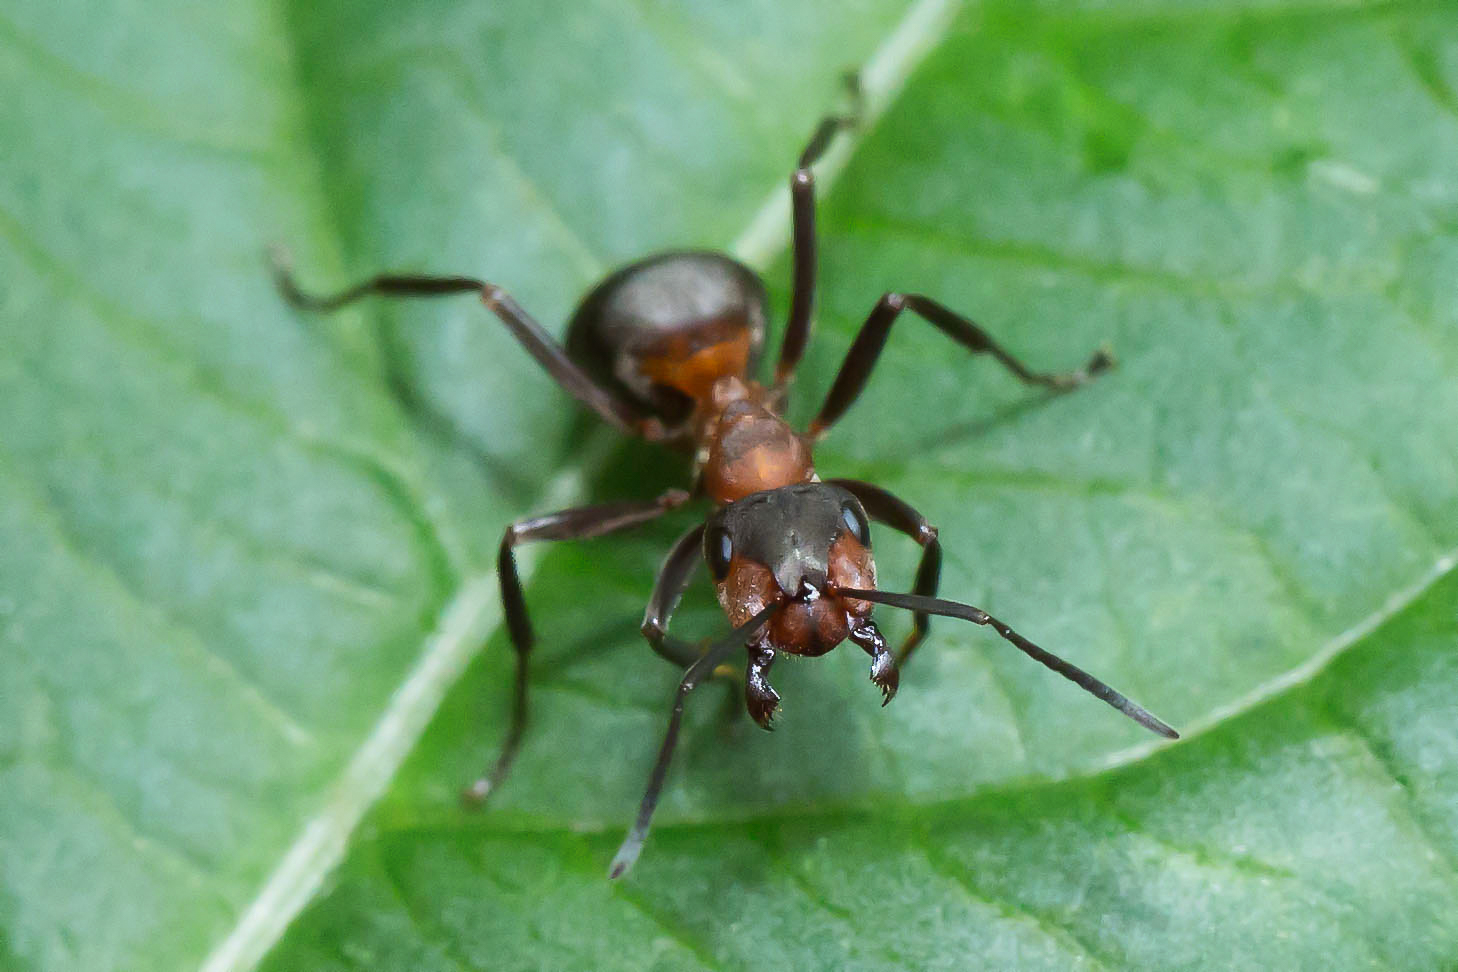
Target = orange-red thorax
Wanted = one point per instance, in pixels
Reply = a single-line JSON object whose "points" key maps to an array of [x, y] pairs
{"points": [[743, 446]]}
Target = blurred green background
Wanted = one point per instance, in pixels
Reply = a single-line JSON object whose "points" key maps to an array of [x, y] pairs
{"points": [[242, 590]]}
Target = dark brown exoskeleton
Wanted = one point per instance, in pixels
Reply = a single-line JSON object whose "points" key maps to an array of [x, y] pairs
{"points": [[667, 348]]}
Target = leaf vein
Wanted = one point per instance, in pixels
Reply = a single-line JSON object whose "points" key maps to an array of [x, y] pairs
{"points": [[446, 944], [145, 337], [1422, 60], [679, 934], [1059, 933], [884, 226], [108, 812], [129, 107], [186, 638], [1379, 756]]}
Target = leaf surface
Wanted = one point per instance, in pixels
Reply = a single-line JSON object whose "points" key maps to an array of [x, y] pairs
{"points": [[237, 575]]}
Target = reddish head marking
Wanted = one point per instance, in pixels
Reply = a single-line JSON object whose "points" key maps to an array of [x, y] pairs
{"points": [[794, 545]]}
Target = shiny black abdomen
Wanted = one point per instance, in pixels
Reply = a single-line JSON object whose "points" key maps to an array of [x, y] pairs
{"points": [[655, 330]]}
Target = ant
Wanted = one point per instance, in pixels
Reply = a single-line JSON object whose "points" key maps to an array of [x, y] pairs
{"points": [[667, 349]]}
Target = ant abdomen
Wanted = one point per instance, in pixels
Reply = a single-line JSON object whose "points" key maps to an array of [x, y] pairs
{"points": [[661, 331]]}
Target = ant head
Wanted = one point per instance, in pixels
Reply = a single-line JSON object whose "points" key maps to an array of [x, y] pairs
{"points": [[796, 544]]}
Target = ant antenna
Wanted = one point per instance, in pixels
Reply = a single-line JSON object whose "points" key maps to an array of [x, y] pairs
{"points": [[632, 845], [1076, 675]]}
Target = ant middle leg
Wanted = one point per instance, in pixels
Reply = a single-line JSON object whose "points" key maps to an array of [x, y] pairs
{"points": [[850, 381], [802, 206], [532, 336], [581, 523]]}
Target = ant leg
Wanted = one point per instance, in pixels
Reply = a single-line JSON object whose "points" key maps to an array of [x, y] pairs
{"points": [[533, 337], [632, 845], [802, 205], [888, 508], [581, 523], [867, 346], [673, 579]]}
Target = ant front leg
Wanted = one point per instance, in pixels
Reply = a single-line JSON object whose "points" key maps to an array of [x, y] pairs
{"points": [[856, 369], [632, 845], [886, 507], [802, 204], [581, 523], [673, 579], [532, 336], [668, 590]]}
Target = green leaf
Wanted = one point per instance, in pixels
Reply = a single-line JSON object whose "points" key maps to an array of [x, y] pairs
{"points": [[236, 577], [1315, 831]]}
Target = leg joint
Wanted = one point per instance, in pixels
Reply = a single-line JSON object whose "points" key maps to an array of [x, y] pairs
{"points": [[673, 499], [653, 630]]}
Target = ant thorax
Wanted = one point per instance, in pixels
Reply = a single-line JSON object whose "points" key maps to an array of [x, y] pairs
{"points": [[744, 447]]}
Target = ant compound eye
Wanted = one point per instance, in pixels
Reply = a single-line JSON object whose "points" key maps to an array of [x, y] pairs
{"points": [[718, 549], [853, 518]]}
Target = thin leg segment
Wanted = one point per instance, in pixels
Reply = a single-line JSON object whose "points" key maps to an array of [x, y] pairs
{"points": [[802, 204], [581, 523], [888, 508], [861, 358], [673, 580], [632, 845], [533, 337]]}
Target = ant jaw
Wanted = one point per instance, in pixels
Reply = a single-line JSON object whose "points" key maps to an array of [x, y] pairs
{"points": [[760, 698], [886, 676], [762, 704], [884, 673]]}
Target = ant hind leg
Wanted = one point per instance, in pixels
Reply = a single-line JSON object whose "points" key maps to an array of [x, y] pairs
{"points": [[888, 508], [543, 348]]}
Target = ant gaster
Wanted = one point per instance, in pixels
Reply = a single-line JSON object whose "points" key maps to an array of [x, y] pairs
{"points": [[667, 349]]}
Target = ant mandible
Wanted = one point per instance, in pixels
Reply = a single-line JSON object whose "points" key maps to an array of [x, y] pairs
{"points": [[667, 349]]}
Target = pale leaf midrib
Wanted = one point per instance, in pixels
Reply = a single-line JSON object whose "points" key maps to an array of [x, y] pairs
{"points": [[473, 610]]}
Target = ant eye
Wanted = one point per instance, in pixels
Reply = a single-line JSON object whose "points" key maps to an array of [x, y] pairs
{"points": [[854, 519], [718, 548]]}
